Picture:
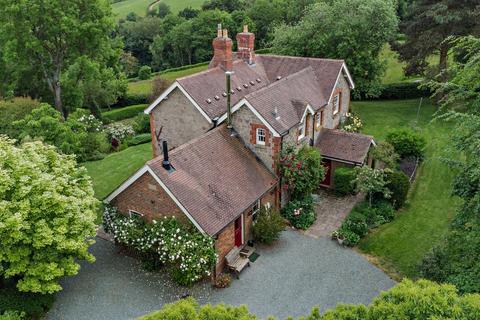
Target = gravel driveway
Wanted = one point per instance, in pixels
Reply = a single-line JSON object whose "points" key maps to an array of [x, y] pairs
{"points": [[287, 279]]}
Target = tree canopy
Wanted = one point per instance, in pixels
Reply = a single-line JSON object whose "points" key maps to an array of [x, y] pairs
{"points": [[428, 23], [352, 30], [51, 36], [47, 214]]}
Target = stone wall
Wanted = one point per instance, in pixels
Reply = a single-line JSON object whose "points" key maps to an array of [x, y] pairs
{"points": [[179, 119]]}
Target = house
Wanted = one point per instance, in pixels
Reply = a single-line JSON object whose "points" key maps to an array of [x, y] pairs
{"points": [[216, 136]]}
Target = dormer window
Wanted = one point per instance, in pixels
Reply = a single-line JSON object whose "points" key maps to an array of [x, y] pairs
{"points": [[336, 104], [261, 136]]}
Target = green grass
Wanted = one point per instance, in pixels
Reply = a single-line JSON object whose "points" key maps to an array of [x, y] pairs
{"points": [[399, 246], [121, 9], [108, 173], [145, 86]]}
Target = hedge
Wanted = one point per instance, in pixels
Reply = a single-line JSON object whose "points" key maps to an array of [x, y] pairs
{"points": [[124, 113], [33, 304], [140, 139], [131, 99], [404, 90], [343, 181]]}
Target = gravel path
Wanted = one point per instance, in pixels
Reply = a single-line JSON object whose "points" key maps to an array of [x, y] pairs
{"points": [[287, 279]]}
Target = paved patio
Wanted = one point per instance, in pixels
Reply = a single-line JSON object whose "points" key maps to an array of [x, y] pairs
{"points": [[288, 278], [331, 211]]}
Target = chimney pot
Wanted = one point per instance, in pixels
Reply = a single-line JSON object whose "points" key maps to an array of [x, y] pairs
{"points": [[245, 28]]}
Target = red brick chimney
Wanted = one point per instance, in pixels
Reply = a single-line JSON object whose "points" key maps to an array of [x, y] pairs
{"points": [[222, 50], [246, 46]]}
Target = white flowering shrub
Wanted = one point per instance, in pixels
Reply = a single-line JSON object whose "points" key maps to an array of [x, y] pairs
{"points": [[351, 123], [119, 131], [91, 123], [190, 255]]}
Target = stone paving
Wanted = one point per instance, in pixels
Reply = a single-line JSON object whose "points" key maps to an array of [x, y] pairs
{"points": [[331, 211], [288, 279]]}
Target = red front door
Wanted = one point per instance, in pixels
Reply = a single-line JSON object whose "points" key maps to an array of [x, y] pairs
{"points": [[328, 174], [238, 231]]}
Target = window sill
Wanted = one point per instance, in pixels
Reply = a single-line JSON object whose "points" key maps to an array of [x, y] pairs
{"points": [[260, 146]]}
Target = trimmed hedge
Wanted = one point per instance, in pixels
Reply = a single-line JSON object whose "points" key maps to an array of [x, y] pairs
{"points": [[407, 143], [398, 184], [124, 113], [343, 181], [403, 90], [140, 139], [130, 99]]}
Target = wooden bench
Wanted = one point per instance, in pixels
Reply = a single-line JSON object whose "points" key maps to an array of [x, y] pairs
{"points": [[236, 262]]}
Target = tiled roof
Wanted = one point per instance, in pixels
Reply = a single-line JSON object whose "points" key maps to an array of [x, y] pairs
{"points": [[216, 178], [207, 88], [283, 103], [350, 147]]}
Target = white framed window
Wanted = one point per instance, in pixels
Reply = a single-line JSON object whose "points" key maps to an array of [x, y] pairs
{"points": [[261, 136], [133, 213], [301, 131], [268, 205], [256, 209], [336, 104], [320, 119]]}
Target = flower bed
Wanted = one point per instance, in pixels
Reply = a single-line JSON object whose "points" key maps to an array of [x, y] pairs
{"points": [[189, 255]]}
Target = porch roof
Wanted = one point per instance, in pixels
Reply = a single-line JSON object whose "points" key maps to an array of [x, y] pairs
{"points": [[344, 146]]}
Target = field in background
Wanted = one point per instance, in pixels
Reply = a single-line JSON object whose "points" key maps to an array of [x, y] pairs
{"points": [[121, 9], [399, 246]]}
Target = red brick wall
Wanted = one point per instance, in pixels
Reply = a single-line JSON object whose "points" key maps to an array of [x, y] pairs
{"points": [[147, 197], [226, 239]]}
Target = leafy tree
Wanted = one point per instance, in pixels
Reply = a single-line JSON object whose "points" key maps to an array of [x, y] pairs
{"points": [[224, 5], [188, 13], [13, 110], [47, 215], [129, 64], [163, 10], [408, 300], [52, 35], [355, 31], [428, 24], [407, 143], [265, 14], [371, 181], [268, 226], [385, 153]]}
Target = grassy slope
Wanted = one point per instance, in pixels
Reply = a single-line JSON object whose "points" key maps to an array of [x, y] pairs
{"points": [[121, 9], [400, 246], [110, 172], [145, 86]]}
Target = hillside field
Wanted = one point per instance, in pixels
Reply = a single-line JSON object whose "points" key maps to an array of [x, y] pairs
{"points": [[121, 9]]}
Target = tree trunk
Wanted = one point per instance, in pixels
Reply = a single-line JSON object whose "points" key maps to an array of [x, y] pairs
{"points": [[443, 61], [57, 97]]}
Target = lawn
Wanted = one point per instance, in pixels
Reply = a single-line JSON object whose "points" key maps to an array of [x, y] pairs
{"points": [[110, 172], [121, 9], [399, 246], [145, 86]]}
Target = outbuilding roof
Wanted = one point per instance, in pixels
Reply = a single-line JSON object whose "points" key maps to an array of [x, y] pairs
{"points": [[344, 146]]}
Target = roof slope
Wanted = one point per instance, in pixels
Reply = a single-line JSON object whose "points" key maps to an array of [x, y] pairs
{"points": [[216, 178], [341, 145], [282, 104]]}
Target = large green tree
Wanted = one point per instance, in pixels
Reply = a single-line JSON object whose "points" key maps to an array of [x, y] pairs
{"points": [[50, 36], [457, 259], [353, 30], [428, 23], [47, 215]]}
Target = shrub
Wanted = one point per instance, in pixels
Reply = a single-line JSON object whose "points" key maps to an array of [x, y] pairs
{"points": [[34, 305], [351, 123], [349, 237], [119, 132], [371, 182], [300, 213], [124, 113], [130, 99], [12, 315], [403, 90], [142, 123], [385, 210], [301, 170], [140, 139], [13, 110], [187, 253], [398, 184], [223, 280], [144, 73], [344, 181], [385, 153], [357, 223], [159, 85], [407, 143], [268, 226]]}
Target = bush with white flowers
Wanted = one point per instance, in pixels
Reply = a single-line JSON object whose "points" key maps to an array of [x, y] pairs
{"points": [[351, 123], [91, 123], [190, 255], [119, 131]]}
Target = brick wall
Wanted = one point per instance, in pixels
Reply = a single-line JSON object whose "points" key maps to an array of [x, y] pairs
{"points": [[147, 197], [179, 119]]}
